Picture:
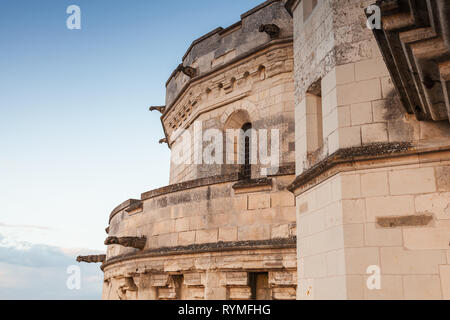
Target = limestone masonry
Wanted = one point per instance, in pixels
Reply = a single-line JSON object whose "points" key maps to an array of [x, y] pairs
{"points": [[363, 183]]}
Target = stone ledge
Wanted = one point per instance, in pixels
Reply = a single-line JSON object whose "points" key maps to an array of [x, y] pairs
{"points": [[133, 204], [346, 159], [349, 155], [253, 185], [205, 248]]}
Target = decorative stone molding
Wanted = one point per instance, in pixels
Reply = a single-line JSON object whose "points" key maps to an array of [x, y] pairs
{"points": [[207, 247], [240, 77], [163, 140], [239, 293], [194, 279], [167, 293], [284, 293], [135, 207], [127, 288], [234, 278], [159, 280], [348, 156], [92, 259], [134, 242], [253, 185], [271, 29], [283, 278], [415, 43]]}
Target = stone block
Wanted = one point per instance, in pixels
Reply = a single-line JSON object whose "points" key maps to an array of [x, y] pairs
{"points": [[194, 279], [227, 234], [357, 260], [206, 236], [282, 199], [181, 224], [186, 238], [233, 278], [380, 237], [389, 206], [285, 293], [258, 201], [239, 293], [370, 69], [283, 278], [397, 260], [443, 178], [361, 113], [391, 289], [280, 231], [374, 184], [374, 133], [357, 92], [412, 181], [431, 238], [444, 272], [427, 287]]}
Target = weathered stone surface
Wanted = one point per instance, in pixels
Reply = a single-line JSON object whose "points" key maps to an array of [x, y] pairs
{"points": [[371, 187]]}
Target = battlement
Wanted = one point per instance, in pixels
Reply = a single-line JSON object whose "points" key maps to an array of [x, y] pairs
{"points": [[223, 45]]}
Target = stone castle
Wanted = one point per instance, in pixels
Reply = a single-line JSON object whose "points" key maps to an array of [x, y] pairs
{"points": [[362, 187]]}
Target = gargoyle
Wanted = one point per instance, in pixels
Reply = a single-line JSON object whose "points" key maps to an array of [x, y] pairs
{"points": [[271, 29], [158, 108], [164, 140], [92, 259], [133, 242], [189, 71]]}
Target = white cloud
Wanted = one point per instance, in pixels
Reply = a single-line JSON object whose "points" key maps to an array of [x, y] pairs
{"points": [[30, 271]]}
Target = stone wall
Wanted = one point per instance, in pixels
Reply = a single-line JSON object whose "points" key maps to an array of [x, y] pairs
{"points": [[204, 230], [260, 87], [208, 214], [370, 187], [391, 213], [221, 46], [220, 275]]}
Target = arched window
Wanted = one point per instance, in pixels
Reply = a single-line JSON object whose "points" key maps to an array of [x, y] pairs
{"points": [[246, 167]]}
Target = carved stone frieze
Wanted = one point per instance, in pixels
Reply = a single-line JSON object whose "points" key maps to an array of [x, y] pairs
{"points": [[238, 77]]}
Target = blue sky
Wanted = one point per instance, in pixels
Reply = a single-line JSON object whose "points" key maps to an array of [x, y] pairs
{"points": [[76, 136]]}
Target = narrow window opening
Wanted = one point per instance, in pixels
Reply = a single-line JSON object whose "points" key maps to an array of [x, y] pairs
{"points": [[246, 167]]}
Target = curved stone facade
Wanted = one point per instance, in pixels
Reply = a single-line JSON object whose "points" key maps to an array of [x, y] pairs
{"points": [[212, 233], [208, 230]]}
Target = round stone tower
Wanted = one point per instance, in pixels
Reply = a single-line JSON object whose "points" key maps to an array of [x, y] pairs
{"points": [[225, 226]]}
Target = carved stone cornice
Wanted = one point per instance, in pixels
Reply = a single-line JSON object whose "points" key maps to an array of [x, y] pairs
{"points": [[286, 243], [415, 43], [133, 242], [224, 81], [92, 259]]}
